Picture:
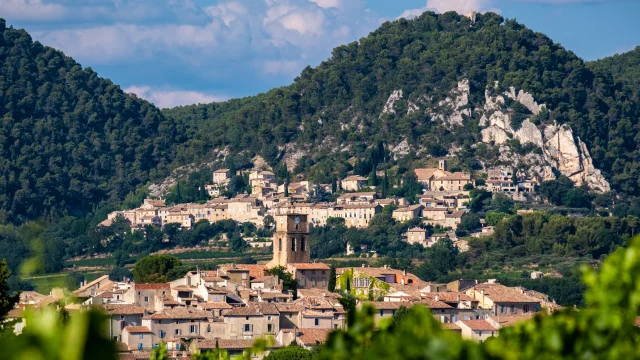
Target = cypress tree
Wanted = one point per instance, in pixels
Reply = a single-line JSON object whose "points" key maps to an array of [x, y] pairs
{"points": [[332, 278]]}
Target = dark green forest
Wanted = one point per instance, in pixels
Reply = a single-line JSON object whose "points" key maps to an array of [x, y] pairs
{"points": [[72, 141], [625, 68]]}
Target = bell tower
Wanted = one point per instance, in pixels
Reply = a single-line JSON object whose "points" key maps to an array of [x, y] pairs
{"points": [[290, 240]]}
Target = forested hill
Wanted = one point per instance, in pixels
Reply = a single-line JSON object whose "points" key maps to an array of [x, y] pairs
{"points": [[335, 111], [68, 138], [71, 140], [623, 67]]}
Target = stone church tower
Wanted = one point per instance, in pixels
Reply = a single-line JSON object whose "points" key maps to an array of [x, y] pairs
{"points": [[290, 240]]}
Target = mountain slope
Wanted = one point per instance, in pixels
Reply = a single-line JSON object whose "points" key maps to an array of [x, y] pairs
{"points": [[69, 139], [624, 68], [369, 91]]}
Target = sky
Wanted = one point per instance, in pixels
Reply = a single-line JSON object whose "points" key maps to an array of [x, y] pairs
{"points": [[179, 52]]}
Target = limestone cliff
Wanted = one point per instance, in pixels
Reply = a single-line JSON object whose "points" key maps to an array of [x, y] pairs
{"points": [[561, 149]]}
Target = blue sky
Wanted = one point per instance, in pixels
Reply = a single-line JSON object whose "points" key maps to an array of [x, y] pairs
{"points": [[176, 52]]}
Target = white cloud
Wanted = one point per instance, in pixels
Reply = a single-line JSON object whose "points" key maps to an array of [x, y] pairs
{"points": [[328, 3], [411, 13], [171, 98], [459, 6], [31, 10], [282, 67]]}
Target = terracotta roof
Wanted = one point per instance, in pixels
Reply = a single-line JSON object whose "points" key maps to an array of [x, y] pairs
{"points": [[510, 320], [478, 325], [154, 286], [289, 307], [428, 208], [389, 305], [123, 309], [221, 171], [450, 296], [181, 313], [425, 174], [262, 279], [316, 302], [137, 329], [254, 269], [416, 229], [254, 309], [183, 288], [212, 279], [215, 305], [501, 294], [455, 214], [450, 326], [313, 292], [94, 282], [310, 337], [314, 313], [126, 356], [456, 176], [309, 266], [432, 304]]}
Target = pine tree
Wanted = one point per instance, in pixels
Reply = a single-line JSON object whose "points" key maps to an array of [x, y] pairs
{"points": [[385, 185], [178, 193], [373, 178], [203, 194], [334, 185]]}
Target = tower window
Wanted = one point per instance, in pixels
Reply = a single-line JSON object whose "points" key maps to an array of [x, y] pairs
{"points": [[293, 244], [279, 244], [302, 244]]}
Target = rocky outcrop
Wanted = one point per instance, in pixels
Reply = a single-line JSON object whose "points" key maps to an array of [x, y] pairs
{"points": [[525, 99], [529, 133], [400, 150], [412, 107], [561, 150], [454, 109], [389, 106]]}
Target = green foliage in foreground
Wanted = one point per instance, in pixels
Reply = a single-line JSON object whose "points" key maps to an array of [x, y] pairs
{"points": [[603, 330]]}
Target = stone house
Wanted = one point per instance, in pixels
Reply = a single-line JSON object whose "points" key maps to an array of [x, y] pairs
{"points": [[310, 275], [179, 322], [148, 296], [222, 176], [137, 337], [376, 282], [353, 183], [407, 213], [503, 300], [252, 321], [417, 235], [121, 316], [476, 330]]}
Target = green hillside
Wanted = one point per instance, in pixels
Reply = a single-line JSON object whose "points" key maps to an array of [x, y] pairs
{"points": [[68, 138], [624, 68], [338, 104]]}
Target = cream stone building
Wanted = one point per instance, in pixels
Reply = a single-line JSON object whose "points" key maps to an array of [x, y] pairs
{"points": [[417, 235], [407, 213], [353, 183], [290, 240]]}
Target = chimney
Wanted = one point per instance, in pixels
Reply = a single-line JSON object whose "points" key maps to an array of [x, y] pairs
{"points": [[324, 294], [437, 297], [404, 272], [458, 298], [362, 264]]}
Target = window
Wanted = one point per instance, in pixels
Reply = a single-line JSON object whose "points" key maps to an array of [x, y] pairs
{"points": [[293, 244], [513, 309], [177, 332], [139, 346], [208, 328], [244, 276], [138, 293], [480, 333], [141, 336], [335, 326], [302, 244], [146, 299], [269, 317], [279, 244], [503, 309], [247, 327], [361, 282], [313, 281], [161, 334], [324, 283], [247, 318], [525, 308], [381, 312], [269, 328], [317, 321], [121, 317], [193, 329]]}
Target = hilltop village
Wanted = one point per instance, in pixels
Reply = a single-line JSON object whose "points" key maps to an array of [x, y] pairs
{"points": [[232, 306], [443, 203]]}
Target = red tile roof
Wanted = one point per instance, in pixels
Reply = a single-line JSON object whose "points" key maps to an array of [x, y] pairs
{"points": [[155, 286], [310, 337], [478, 325], [123, 309], [502, 294], [137, 329], [310, 266]]}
